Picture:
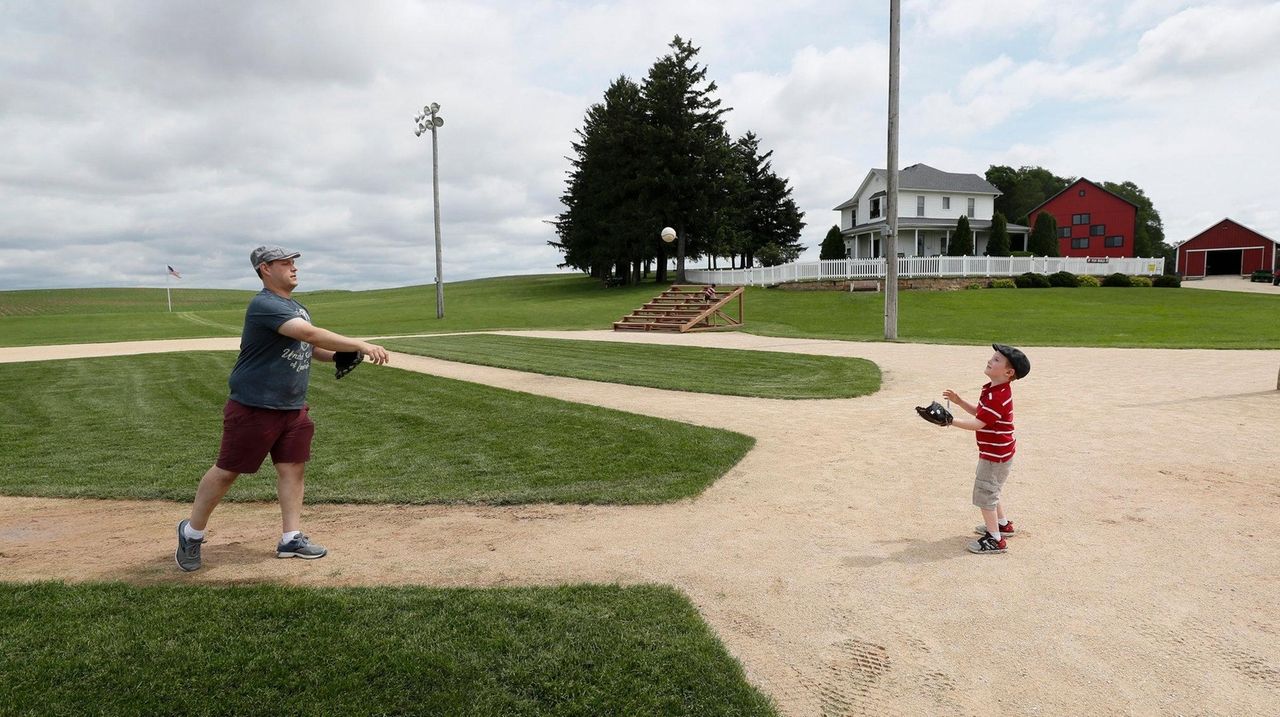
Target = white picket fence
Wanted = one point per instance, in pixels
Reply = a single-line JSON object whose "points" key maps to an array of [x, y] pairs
{"points": [[923, 266]]}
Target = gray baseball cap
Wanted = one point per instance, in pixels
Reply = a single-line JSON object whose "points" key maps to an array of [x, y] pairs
{"points": [[264, 254]]}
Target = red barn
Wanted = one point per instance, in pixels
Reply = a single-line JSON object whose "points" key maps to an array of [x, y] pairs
{"points": [[1226, 248], [1091, 220]]}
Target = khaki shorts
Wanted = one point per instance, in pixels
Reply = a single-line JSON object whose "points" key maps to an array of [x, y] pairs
{"points": [[989, 480]]}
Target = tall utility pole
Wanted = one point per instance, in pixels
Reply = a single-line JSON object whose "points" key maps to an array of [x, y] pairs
{"points": [[429, 121], [891, 220]]}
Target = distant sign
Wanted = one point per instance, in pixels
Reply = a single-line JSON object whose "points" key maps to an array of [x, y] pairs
{"points": [[1096, 260]]}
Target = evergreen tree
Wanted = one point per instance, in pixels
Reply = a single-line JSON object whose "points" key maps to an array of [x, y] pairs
{"points": [[961, 239], [764, 211], [1044, 236], [604, 227], [998, 243], [687, 150], [832, 244]]}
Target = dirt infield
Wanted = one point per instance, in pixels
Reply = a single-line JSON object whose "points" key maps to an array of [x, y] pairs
{"points": [[1145, 578]]}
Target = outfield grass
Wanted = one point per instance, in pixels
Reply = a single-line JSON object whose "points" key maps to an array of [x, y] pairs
{"points": [[1132, 317], [766, 374], [112, 649], [149, 426]]}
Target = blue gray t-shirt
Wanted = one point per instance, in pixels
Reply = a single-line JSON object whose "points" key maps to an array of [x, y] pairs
{"points": [[273, 369]]}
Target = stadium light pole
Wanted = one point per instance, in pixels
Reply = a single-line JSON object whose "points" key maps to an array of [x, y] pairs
{"points": [[429, 120]]}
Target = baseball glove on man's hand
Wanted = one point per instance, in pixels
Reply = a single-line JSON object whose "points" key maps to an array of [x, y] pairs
{"points": [[346, 362], [934, 413]]}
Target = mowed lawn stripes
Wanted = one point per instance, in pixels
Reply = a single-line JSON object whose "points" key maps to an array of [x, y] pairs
{"points": [[110, 649], [765, 374], [149, 426]]}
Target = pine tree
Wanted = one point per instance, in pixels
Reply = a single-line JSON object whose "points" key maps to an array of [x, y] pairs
{"points": [[832, 244], [998, 243], [604, 227], [687, 150], [962, 239], [764, 210], [1044, 236]]}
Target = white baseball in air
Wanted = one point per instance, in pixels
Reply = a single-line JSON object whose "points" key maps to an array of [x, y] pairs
{"points": [[668, 234]]}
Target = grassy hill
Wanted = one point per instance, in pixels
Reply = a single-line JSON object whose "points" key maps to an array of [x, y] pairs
{"points": [[1139, 317]]}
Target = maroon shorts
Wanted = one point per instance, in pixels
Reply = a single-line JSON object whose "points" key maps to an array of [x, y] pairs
{"points": [[249, 434]]}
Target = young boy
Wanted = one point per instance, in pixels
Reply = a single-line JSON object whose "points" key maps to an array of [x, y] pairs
{"points": [[993, 423]]}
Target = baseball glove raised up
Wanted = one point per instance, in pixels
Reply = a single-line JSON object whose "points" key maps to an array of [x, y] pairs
{"points": [[346, 362], [934, 413]]}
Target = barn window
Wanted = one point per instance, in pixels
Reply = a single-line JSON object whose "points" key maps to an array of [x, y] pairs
{"points": [[1064, 232], [1080, 218], [1081, 243], [1098, 230], [1082, 192], [1115, 241]]}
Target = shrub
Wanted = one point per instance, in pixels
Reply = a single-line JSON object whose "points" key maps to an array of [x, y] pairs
{"points": [[1021, 253], [1064, 278], [1117, 279], [1003, 284], [1032, 280], [974, 285], [1086, 280], [1168, 281], [1139, 281]]}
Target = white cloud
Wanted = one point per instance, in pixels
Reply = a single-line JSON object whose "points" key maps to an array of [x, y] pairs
{"points": [[185, 133]]}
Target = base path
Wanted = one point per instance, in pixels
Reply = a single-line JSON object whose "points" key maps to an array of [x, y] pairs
{"points": [[1145, 578]]}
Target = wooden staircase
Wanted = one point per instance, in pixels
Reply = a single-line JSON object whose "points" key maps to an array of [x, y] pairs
{"points": [[683, 308]]}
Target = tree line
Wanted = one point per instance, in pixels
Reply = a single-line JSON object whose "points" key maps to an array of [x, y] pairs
{"points": [[656, 154]]}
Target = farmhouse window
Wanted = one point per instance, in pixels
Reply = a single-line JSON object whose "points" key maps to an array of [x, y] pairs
{"points": [[920, 206], [875, 207], [971, 207], [946, 202]]}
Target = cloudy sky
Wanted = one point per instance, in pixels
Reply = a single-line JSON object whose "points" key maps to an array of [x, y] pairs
{"points": [[135, 135]]}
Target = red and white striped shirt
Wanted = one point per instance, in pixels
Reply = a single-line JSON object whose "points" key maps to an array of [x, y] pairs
{"points": [[995, 410]]}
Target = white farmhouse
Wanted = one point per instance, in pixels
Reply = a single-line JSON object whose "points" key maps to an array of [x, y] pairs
{"points": [[929, 203]]}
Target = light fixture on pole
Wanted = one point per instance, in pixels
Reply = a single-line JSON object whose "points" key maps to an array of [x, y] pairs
{"points": [[429, 121]]}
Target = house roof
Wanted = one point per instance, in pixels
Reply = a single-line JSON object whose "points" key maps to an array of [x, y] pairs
{"points": [[1228, 220], [922, 177], [1095, 185]]}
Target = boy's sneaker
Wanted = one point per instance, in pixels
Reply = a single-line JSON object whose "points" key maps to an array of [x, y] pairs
{"points": [[1005, 530], [188, 553], [300, 547], [987, 544]]}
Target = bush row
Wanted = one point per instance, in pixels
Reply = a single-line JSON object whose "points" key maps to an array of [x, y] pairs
{"points": [[1066, 279]]}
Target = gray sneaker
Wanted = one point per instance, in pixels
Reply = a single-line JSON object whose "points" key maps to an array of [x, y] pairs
{"points": [[188, 553], [300, 547]]}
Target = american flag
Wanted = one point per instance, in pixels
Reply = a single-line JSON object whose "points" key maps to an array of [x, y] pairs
{"points": [[174, 272]]}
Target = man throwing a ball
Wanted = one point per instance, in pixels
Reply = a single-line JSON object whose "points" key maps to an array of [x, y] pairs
{"points": [[267, 410]]}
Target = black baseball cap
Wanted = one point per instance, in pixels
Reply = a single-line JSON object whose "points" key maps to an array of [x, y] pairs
{"points": [[1018, 360]]}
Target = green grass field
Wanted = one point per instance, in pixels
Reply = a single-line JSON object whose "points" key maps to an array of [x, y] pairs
{"points": [[1133, 317], [149, 426], [765, 374], [112, 649]]}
